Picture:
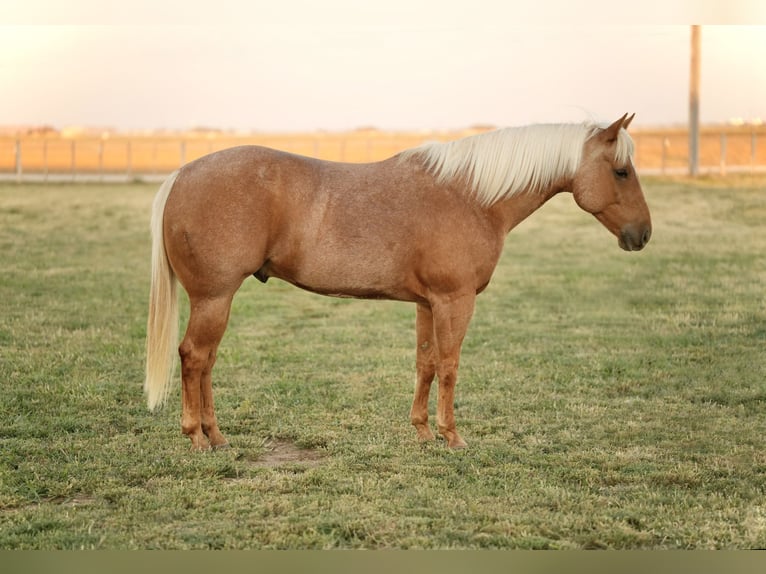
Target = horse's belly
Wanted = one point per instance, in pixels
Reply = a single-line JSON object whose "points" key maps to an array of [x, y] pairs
{"points": [[374, 277]]}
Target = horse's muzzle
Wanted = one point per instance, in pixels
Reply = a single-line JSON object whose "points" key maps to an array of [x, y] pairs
{"points": [[635, 237]]}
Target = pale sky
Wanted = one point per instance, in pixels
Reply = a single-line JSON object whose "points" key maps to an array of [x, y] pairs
{"points": [[291, 65]]}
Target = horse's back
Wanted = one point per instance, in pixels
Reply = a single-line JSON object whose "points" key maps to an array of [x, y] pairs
{"points": [[242, 170]]}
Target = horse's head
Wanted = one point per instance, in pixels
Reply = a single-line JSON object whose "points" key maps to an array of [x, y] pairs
{"points": [[607, 186]]}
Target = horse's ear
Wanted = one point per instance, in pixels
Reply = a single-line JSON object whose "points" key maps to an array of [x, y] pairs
{"points": [[626, 123], [609, 135]]}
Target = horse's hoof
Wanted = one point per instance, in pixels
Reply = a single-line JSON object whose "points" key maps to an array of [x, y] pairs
{"points": [[454, 441], [199, 443], [425, 435]]}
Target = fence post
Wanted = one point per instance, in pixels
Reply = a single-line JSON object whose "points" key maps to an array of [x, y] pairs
{"points": [[723, 154], [17, 151], [694, 103], [74, 160], [665, 146], [129, 154], [752, 151], [101, 159], [45, 158]]}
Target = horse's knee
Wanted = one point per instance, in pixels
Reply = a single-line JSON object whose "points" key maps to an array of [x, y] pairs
{"points": [[425, 367], [447, 372]]}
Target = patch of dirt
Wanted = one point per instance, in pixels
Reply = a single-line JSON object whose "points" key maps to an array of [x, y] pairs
{"points": [[76, 501], [280, 451]]}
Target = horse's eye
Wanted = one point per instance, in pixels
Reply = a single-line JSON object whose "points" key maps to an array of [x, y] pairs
{"points": [[621, 173]]}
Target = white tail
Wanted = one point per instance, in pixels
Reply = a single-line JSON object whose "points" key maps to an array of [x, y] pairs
{"points": [[162, 324]]}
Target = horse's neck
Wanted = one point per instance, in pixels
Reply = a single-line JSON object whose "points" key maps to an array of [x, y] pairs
{"points": [[516, 208]]}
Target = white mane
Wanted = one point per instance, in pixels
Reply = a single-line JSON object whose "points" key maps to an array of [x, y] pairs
{"points": [[507, 161]]}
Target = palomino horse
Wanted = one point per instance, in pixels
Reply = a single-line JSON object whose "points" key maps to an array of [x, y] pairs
{"points": [[425, 226]]}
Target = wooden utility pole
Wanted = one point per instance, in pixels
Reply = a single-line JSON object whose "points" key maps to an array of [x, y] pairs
{"points": [[694, 104]]}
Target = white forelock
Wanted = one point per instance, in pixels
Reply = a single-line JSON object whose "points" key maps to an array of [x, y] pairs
{"points": [[503, 162]]}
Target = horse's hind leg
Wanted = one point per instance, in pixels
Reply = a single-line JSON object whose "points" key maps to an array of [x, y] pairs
{"points": [[207, 323]]}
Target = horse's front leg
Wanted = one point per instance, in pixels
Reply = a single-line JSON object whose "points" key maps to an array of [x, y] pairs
{"points": [[426, 370], [451, 315]]}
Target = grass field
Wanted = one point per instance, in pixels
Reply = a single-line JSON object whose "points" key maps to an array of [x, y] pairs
{"points": [[610, 400]]}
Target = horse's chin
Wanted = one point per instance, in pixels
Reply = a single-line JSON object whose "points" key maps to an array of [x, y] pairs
{"points": [[622, 244]]}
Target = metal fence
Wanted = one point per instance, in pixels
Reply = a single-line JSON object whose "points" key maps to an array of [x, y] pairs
{"points": [[109, 157], [722, 150]]}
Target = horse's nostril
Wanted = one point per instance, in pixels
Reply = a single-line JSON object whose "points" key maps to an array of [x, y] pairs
{"points": [[647, 235]]}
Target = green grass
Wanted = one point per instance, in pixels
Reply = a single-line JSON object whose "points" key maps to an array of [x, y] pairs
{"points": [[610, 400]]}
